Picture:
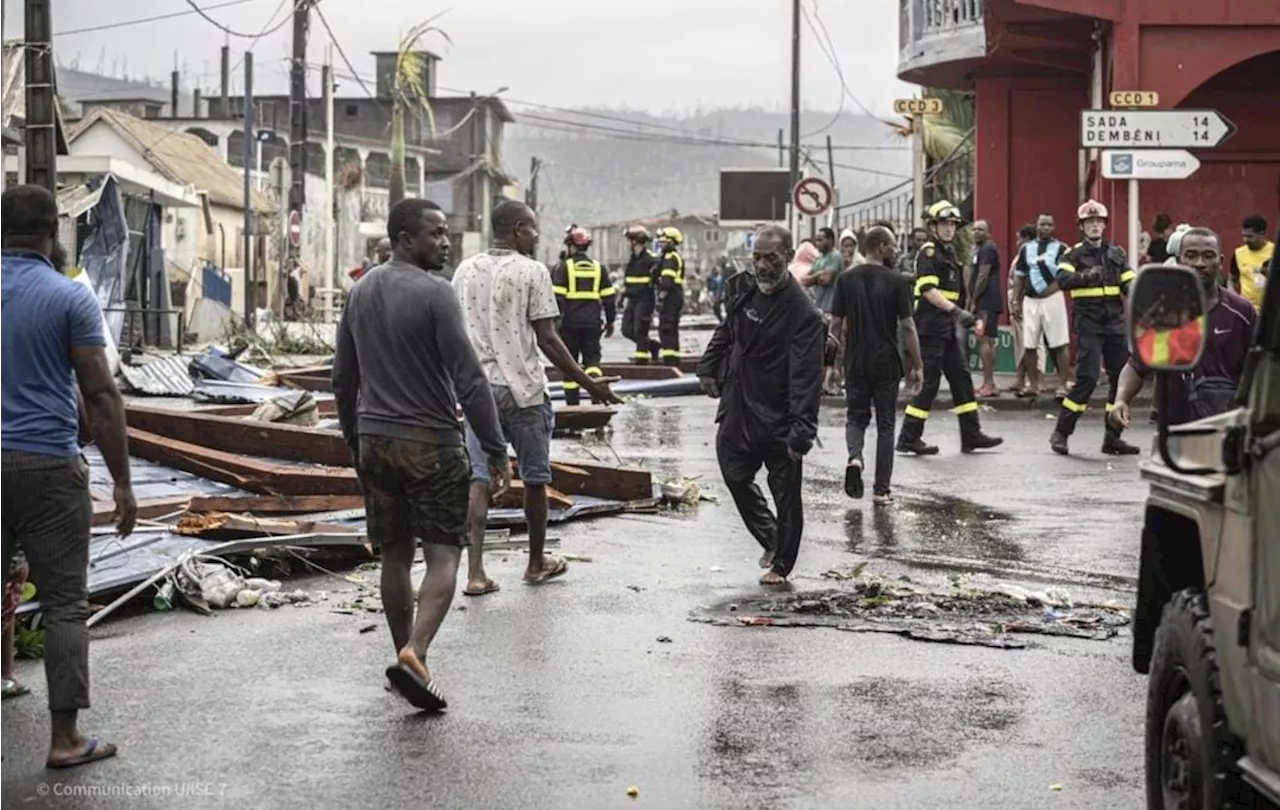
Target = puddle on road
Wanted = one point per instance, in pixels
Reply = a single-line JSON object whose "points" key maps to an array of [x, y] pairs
{"points": [[937, 524]]}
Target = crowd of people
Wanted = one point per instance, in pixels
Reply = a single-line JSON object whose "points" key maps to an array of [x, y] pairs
{"points": [[417, 344]]}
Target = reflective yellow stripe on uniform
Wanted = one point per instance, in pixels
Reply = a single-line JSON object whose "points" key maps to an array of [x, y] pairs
{"points": [[923, 280], [676, 274], [607, 291], [670, 352], [1073, 406], [1127, 276], [559, 290], [641, 354], [1111, 406], [968, 407], [918, 413], [1066, 267], [593, 371], [1095, 292], [642, 280], [570, 385], [591, 273], [1160, 348]]}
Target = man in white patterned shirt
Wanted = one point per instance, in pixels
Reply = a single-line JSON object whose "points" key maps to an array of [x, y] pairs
{"points": [[510, 312]]}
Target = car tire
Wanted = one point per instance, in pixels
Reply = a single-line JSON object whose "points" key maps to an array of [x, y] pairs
{"points": [[1190, 750]]}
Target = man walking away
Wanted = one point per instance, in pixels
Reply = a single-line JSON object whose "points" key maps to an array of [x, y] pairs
{"points": [[670, 297], [1096, 275], [510, 312], [821, 282], [985, 282], [637, 316], [1251, 262], [938, 285], [1230, 322], [872, 311], [770, 348], [1042, 306], [583, 292], [402, 356], [52, 329]]}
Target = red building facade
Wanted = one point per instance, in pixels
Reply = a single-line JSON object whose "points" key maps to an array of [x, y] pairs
{"points": [[1035, 64]]}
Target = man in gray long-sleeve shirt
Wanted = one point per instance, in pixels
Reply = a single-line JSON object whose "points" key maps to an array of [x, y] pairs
{"points": [[403, 360]]}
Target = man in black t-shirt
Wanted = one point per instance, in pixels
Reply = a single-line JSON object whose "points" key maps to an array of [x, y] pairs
{"points": [[871, 307]]}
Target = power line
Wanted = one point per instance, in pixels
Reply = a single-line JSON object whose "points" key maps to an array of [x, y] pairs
{"points": [[154, 18], [835, 63], [830, 54], [230, 32], [337, 46], [266, 31]]}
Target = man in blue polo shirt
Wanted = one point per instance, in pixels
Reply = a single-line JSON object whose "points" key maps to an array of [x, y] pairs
{"points": [[52, 328]]}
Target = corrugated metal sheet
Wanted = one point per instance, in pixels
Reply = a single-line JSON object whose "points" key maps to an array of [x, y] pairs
{"points": [[240, 393], [75, 200], [161, 377]]}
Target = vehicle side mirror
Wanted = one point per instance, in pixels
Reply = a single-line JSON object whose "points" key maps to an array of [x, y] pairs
{"points": [[1167, 329]]}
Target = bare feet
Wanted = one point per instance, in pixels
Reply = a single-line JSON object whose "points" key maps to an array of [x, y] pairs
{"points": [[766, 560], [772, 577]]}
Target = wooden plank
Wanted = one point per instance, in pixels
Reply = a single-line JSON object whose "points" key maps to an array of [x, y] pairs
{"points": [[104, 514], [627, 371], [513, 498], [601, 480], [274, 504], [252, 475], [306, 383], [236, 435], [583, 417], [322, 370], [221, 524]]}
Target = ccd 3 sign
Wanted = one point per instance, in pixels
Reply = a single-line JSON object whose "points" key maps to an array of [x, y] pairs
{"points": [[917, 106]]}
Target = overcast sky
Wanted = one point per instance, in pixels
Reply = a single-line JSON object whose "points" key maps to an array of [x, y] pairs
{"points": [[713, 53]]}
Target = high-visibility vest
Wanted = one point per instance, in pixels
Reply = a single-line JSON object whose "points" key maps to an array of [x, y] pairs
{"points": [[585, 281], [1252, 282], [1175, 347]]}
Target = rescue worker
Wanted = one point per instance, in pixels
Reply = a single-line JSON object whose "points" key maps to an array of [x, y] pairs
{"points": [[938, 285], [670, 297], [1096, 276], [583, 290], [637, 314]]}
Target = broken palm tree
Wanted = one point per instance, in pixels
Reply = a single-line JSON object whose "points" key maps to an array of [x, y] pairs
{"points": [[999, 617]]}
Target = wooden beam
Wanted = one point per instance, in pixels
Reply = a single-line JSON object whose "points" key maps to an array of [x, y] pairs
{"points": [[327, 408], [575, 417], [513, 498], [236, 435], [222, 524], [274, 504], [309, 383], [104, 513], [252, 475]]}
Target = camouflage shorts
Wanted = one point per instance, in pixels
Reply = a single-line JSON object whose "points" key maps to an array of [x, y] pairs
{"points": [[414, 490]]}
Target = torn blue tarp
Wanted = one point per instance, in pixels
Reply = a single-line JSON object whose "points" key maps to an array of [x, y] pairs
{"points": [[105, 252]]}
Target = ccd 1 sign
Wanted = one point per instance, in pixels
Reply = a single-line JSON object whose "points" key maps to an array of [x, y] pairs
{"points": [[1154, 129]]}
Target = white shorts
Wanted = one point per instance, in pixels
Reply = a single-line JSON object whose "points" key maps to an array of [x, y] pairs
{"points": [[1045, 319]]}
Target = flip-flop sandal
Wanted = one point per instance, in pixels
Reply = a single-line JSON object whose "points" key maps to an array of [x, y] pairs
{"points": [[853, 480], [558, 569], [421, 694], [94, 751], [489, 587], [13, 689]]}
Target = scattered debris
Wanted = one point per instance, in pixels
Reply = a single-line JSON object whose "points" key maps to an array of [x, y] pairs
{"points": [[664, 639], [964, 616], [369, 628]]}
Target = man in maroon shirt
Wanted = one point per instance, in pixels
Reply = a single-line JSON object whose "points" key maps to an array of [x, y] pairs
{"points": [[1230, 322]]}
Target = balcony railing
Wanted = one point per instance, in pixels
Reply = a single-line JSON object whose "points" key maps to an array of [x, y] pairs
{"points": [[937, 31]]}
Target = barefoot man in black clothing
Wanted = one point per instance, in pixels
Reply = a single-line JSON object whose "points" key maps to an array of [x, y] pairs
{"points": [[403, 353], [765, 363]]}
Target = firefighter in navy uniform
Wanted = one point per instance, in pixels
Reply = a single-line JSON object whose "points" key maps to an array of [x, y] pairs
{"points": [[637, 314], [584, 292], [938, 286], [670, 297], [1096, 275]]}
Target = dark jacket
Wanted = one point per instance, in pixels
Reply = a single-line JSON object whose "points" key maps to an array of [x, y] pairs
{"points": [[584, 293], [639, 276], [1097, 279], [770, 365], [937, 268]]}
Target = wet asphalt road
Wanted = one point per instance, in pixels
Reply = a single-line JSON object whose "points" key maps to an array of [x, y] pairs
{"points": [[562, 697]]}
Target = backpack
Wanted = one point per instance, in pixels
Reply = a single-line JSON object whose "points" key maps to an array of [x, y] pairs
{"points": [[1210, 396]]}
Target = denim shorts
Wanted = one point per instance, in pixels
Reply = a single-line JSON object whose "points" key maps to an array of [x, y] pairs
{"points": [[528, 430]]}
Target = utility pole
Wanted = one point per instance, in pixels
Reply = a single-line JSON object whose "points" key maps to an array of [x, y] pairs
{"points": [[41, 127], [249, 141], [782, 149], [795, 92], [326, 77], [531, 193], [298, 113], [224, 101]]}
